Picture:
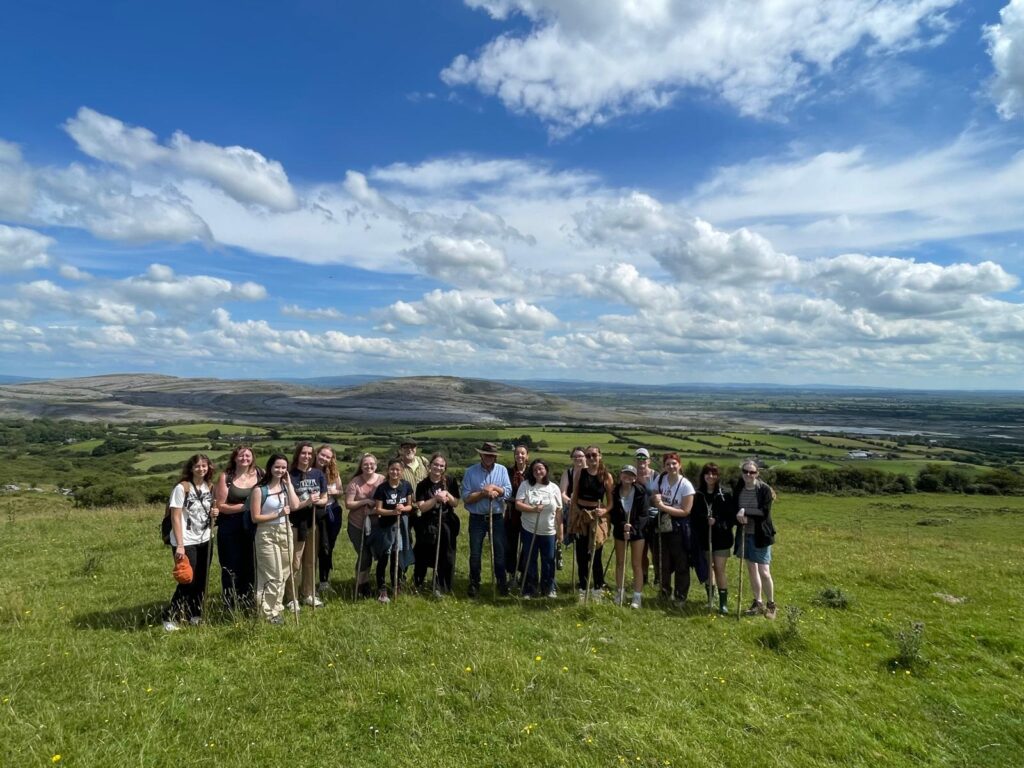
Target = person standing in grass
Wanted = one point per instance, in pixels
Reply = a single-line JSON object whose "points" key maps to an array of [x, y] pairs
{"points": [[414, 469], [192, 513], [235, 541], [328, 517], [674, 500], [539, 502], [592, 488], [647, 477], [270, 505], [515, 559], [361, 505], [752, 499], [629, 519], [579, 461], [311, 488], [437, 496], [393, 499], [713, 509], [485, 489]]}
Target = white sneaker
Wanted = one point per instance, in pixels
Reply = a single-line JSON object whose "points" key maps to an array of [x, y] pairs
{"points": [[583, 595], [171, 626], [292, 605], [553, 593], [596, 595], [637, 599], [316, 602]]}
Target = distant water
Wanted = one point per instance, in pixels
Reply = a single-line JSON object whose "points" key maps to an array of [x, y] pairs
{"points": [[856, 430]]}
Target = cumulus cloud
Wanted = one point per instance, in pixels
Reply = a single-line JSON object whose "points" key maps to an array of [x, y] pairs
{"points": [[17, 189], [242, 173], [584, 63], [162, 285], [317, 313], [1006, 48], [23, 249], [474, 263], [471, 315]]}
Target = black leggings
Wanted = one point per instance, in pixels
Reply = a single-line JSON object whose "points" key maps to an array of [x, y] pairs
{"points": [[187, 601], [581, 543]]}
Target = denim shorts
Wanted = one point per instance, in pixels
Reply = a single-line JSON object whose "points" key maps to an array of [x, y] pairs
{"points": [[754, 554], [721, 553]]}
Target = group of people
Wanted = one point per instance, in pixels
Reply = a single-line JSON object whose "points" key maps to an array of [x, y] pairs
{"points": [[277, 527]]}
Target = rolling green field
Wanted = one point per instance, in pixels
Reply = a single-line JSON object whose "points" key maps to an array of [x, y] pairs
{"points": [[88, 677]]}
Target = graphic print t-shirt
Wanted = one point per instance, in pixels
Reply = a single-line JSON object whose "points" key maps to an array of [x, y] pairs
{"points": [[392, 497]]}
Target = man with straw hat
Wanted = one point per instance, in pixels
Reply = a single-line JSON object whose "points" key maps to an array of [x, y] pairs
{"points": [[485, 489]]}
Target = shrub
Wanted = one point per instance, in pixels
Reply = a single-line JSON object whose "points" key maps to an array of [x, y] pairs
{"points": [[833, 597], [908, 647]]}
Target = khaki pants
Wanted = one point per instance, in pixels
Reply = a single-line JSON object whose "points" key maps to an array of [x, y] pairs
{"points": [[272, 567], [304, 563]]}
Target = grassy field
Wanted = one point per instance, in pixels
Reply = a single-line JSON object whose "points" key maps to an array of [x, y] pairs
{"points": [[88, 678]]}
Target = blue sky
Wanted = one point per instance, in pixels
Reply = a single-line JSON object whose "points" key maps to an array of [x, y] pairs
{"points": [[643, 191]]}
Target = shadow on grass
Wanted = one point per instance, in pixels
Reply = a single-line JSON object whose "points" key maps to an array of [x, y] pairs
{"points": [[126, 618]]}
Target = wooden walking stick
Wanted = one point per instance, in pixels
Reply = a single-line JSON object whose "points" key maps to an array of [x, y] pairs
{"points": [[359, 555], [711, 562], [291, 570], [591, 549], [739, 586], [209, 565], [490, 538], [312, 601], [437, 553]]}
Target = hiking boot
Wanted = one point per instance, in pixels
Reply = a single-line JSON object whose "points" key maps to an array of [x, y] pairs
{"points": [[473, 591], [770, 610], [756, 609]]}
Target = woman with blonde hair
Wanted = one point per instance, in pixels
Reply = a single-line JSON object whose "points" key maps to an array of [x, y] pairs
{"points": [[752, 499], [328, 517], [591, 496], [360, 504]]}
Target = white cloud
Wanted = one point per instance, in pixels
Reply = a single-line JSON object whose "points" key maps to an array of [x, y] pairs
{"points": [[242, 173], [1006, 47], [23, 249], [474, 316], [318, 313], [587, 61], [472, 263], [160, 284], [70, 272], [16, 187]]}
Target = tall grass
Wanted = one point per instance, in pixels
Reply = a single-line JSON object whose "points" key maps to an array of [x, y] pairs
{"points": [[88, 674]]}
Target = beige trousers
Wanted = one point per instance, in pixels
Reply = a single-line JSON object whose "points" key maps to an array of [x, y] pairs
{"points": [[272, 568], [303, 563]]}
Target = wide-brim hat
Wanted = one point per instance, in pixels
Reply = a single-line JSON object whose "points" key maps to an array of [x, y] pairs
{"points": [[488, 449]]}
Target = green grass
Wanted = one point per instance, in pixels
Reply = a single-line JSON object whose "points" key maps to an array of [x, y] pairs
{"points": [[151, 459], [86, 673], [202, 429]]}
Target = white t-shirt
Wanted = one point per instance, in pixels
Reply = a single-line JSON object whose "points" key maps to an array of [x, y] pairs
{"points": [[195, 513], [550, 497]]}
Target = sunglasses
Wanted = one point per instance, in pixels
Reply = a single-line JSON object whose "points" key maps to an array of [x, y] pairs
{"points": [[749, 471], [593, 455]]}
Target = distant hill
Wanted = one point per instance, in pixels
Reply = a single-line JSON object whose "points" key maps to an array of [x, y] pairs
{"points": [[427, 399]]}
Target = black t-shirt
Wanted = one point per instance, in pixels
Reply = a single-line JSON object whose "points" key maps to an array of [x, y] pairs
{"points": [[392, 497], [426, 488]]}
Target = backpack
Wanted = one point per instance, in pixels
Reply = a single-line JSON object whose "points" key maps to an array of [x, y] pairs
{"points": [[165, 524], [247, 522]]}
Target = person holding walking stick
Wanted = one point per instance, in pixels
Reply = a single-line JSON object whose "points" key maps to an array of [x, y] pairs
{"points": [[394, 498], [436, 526], [485, 488], [361, 505], [270, 505], [539, 503], [192, 512], [311, 488], [235, 545], [752, 498], [588, 520], [674, 501], [713, 521], [629, 517]]}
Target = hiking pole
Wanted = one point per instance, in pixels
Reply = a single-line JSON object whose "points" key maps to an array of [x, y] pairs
{"points": [[627, 552], [739, 585], [359, 555], [490, 538], [437, 552], [591, 549], [209, 565], [314, 574], [711, 571], [529, 559], [291, 570]]}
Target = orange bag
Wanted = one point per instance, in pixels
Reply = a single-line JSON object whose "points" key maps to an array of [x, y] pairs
{"points": [[182, 572]]}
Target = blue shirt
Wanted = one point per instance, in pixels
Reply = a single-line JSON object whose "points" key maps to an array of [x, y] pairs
{"points": [[476, 478]]}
